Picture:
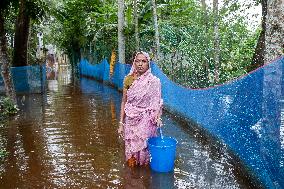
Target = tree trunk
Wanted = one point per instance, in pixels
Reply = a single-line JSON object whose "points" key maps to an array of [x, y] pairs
{"points": [[136, 25], [258, 57], [204, 12], [272, 92], [120, 28], [274, 34], [21, 36], [5, 67], [216, 42], [205, 75], [157, 42]]}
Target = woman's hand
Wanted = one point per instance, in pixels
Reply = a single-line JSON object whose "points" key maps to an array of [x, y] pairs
{"points": [[120, 129], [159, 121]]}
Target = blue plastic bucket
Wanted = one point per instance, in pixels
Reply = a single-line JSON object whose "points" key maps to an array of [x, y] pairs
{"points": [[162, 152]]}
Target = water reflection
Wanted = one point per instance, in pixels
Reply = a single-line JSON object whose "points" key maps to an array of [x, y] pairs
{"points": [[162, 180], [67, 139]]}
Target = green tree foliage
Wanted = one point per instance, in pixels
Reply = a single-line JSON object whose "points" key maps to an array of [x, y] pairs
{"points": [[89, 28], [4, 52], [187, 43], [80, 27], [36, 10]]}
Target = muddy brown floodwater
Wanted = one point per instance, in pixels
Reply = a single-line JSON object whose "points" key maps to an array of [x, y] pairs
{"points": [[67, 138]]}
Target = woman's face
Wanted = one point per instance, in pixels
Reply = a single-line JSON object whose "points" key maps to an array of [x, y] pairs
{"points": [[141, 64]]}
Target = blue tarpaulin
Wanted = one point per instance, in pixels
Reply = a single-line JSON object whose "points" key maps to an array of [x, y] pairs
{"points": [[27, 79]]}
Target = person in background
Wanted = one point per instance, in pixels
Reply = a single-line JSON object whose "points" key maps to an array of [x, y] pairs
{"points": [[141, 109]]}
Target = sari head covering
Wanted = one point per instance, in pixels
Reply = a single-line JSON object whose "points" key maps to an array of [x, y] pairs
{"points": [[142, 108], [133, 69]]}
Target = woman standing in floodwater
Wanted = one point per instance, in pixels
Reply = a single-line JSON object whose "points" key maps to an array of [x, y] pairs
{"points": [[140, 110]]}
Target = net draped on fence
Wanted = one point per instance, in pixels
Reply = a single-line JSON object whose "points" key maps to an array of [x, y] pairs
{"points": [[245, 113]]}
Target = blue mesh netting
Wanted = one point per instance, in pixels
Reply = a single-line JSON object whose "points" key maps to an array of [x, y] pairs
{"points": [[245, 113], [27, 79], [101, 72]]}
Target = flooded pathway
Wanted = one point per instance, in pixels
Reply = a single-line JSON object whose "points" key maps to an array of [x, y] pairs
{"points": [[67, 139]]}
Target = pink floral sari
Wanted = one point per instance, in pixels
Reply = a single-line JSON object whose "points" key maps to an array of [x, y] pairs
{"points": [[142, 107]]}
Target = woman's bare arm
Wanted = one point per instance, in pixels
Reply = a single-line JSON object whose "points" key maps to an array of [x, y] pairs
{"points": [[123, 101], [122, 113]]}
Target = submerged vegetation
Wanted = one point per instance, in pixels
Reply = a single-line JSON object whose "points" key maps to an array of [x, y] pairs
{"points": [[3, 154], [7, 108]]}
